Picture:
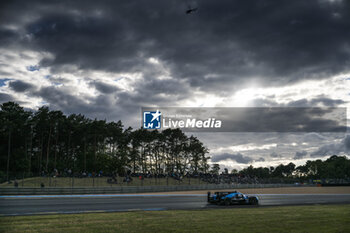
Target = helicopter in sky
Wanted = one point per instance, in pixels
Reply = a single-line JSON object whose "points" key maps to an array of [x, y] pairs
{"points": [[190, 10]]}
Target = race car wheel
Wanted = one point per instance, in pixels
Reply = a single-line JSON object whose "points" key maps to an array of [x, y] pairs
{"points": [[253, 201], [227, 201]]}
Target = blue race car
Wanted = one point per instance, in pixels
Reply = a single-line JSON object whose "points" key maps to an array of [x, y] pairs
{"points": [[231, 198]]}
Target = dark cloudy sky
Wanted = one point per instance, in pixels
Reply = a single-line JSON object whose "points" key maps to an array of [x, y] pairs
{"points": [[106, 59]]}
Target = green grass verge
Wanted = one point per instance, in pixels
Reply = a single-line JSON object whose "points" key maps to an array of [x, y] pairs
{"points": [[96, 182], [315, 218]]}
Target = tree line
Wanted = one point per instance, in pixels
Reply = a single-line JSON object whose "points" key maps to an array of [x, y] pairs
{"points": [[334, 167], [40, 142], [43, 141]]}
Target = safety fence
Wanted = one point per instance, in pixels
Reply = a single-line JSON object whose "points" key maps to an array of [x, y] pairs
{"points": [[130, 189]]}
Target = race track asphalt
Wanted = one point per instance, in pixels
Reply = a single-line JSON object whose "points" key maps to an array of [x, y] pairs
{"points": [[53, 204]]}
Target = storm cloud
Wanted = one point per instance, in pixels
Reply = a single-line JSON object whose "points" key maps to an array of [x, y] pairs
{"points": [[274, 155], [103, 87], [314, 102], [20, 86], [226, 43], [300, 154], [333, 148], [5, 97], [239, 158]]}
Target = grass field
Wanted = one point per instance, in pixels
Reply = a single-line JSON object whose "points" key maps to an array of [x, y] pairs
{"points": [[97, 182], [315, 218]]}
